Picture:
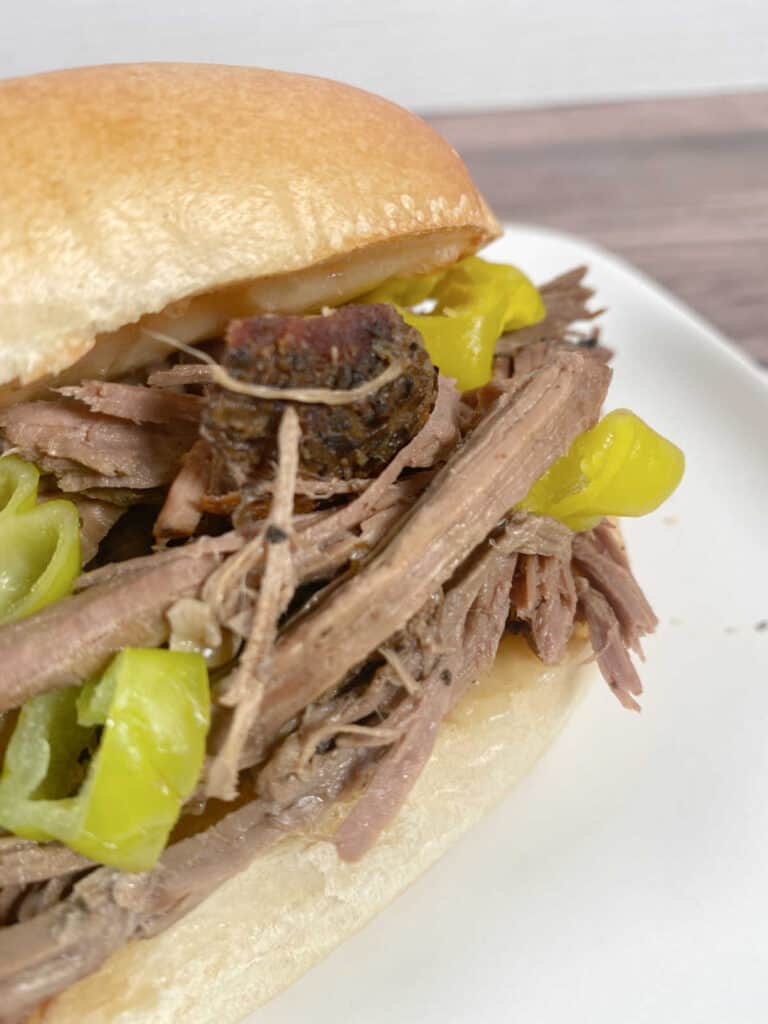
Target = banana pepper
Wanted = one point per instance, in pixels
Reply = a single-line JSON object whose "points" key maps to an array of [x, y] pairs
{"points": [[621, 467], [39, 544], [18, 485], [106, 769], [475, 302]]}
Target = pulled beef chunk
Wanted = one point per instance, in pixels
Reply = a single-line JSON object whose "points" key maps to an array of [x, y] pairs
{"points": [[135, 402], [72, 640], [96, 520], [544, 596], [616, 610], [182, 510], [24, 861], [605, 636], [85, 449], [242, 690], [599, 557], [341, 351], [539, 353]]}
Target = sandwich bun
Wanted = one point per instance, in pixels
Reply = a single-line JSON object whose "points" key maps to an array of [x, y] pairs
{"points": [[265, 927], [181, 195]]}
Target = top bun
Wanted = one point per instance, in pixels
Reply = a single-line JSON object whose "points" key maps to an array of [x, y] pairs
{"points": [[184, 194]]}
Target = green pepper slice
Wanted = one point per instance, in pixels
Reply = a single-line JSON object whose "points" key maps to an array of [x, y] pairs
{"points": [[39, 544], [621, 467], [39, 558], [106, 769], [18, 485], [475, 303]]}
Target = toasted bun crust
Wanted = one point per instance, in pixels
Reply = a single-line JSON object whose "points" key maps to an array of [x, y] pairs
{"points": [[126, 189], [293, 905]]}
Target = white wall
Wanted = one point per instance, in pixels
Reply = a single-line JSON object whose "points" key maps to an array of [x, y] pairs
{"points": [[427, 54]]}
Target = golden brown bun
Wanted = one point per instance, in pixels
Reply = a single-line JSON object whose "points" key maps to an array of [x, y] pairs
{"points": [[267, 926], [127, 189]]}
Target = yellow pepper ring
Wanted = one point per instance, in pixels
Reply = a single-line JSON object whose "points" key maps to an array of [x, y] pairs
{"points": [[621, 467], [475, 302], [154, 707]]}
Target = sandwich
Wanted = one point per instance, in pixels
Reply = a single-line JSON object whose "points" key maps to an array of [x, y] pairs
{"points": [[308, 528]]}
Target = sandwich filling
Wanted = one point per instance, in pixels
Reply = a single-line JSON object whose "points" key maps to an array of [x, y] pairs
{"points": [[290, 555]]}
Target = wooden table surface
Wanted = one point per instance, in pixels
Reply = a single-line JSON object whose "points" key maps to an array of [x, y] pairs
{"points": [[677, 186]]}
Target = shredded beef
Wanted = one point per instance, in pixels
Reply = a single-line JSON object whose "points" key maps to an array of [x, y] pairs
{"points": [[470, 495], [469, 625]]}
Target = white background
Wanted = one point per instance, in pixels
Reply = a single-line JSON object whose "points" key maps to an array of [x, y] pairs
{"points": [[427, 54]]}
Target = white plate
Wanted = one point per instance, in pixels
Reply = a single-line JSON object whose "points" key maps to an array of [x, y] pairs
{"points": [[626, 879]]}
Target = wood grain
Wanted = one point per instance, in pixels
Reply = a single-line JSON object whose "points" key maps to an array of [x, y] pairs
{"points": [[677, 186]]}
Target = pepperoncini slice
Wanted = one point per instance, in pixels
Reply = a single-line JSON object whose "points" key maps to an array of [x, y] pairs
{"points": [[621, 467], [115, 798], [18, 485], [475, 302], [39, 544]]}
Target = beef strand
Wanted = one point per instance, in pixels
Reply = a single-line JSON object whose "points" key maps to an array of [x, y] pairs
{"points": [[135, 402], [278, 583], [605, 636]]}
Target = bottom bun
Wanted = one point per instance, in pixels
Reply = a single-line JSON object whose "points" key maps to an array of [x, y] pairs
{"points": [[265, 927]]}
